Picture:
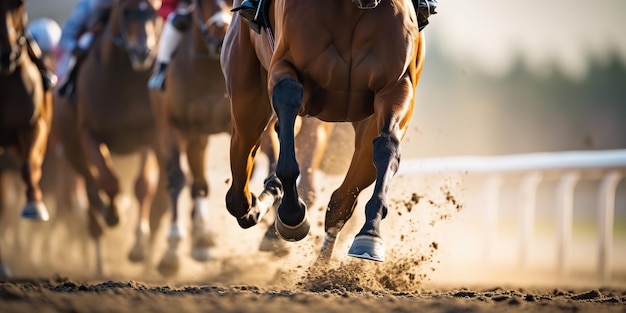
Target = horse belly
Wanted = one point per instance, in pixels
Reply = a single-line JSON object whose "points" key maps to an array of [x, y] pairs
{"points": [[123, 132], [207, 114], [339, 106], [129, 141]]}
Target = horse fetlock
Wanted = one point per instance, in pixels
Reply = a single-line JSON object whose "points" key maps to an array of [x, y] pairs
{"points": [[200, 212], [255, 213], [111, 214], [326, 252], [95, 223]]}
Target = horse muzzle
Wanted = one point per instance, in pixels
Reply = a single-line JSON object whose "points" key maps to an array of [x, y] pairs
{"points": [[366, 4], [141, 58]]}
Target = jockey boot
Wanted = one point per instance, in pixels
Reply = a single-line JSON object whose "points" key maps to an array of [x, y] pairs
{"points": [[68, 85], [49, 78], [249, 11], [424, 9], [171, 37]]}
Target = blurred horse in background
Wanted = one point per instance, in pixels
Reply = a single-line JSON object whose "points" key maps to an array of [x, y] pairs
{"points": [[192, 107], [25, 107], [339, 61], [113, 114]]}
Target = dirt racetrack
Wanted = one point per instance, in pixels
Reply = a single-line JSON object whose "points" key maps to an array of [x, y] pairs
{"points": [[54, 271], [64, 295]]}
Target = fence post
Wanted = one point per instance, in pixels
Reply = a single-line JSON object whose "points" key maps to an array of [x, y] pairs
{"points": [[565, 206], [606, 211], [528, 189], [492, 200]]}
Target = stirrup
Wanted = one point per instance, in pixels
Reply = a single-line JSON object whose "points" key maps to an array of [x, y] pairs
{"points": [[49, 80], [250, 13]]}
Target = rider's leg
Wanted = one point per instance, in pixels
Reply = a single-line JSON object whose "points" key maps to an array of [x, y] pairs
{"points": [[424, 9], [177, 23], [80, 52], [248, 10], [49, 77]]}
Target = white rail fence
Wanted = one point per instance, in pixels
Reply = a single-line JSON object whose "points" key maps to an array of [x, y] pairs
{"points": [[567, 167]]}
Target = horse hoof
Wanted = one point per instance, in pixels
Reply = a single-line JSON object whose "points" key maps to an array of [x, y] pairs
{"points": [[5, 272], [202, 243], [140, 249], [368, 247], [169, 265], [292, 233], [35, 211], [201, 254], [272, 243], [137, 253]]}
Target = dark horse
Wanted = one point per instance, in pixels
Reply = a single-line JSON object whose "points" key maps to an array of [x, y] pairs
{"points": [[192, 107], [339, 61], [25, 107], [113, 114]]}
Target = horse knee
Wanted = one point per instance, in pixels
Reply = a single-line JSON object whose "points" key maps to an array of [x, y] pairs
{"points": [[287, 97], [175, 180], [386, 153]]}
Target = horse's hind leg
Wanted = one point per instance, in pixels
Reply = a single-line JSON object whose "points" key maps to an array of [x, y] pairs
{"points": [[170, 163], [145, 189], [202, 239], [311, 143], [32, 149], [360, 175], [391, 119], [292, 222], [98, 158]]}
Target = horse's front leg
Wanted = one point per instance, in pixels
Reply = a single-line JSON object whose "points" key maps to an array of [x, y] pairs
{"points": [[145, 189], [292, 223], [100, 166], [202, 238], [32, 151], [250, 118], [169, 161], [392, 115]]}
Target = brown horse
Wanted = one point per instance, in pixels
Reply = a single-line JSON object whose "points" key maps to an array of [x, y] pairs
{"points": [[192, 107], [113, 114], [25, 107], [336, 61]]}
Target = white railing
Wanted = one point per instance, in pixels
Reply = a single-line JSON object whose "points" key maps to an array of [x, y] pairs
{"points": [[567, 167]]}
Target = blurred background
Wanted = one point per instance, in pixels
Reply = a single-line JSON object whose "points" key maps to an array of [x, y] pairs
{"points": [[504, 77]]}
